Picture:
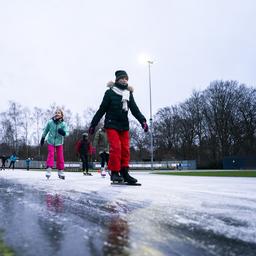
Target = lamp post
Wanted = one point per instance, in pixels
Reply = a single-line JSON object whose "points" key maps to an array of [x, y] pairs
{"points": [[150, 118]]}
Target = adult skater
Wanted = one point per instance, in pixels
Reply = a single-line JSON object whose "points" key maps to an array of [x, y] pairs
{"points": [[117, 101], [101, 143], [54, 132], [84, 149]]}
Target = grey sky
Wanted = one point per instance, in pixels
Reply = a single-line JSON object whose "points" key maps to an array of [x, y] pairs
{"points": [[65, 51]]}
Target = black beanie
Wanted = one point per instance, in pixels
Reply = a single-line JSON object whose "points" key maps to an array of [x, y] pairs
{"points": [[120, 74]]}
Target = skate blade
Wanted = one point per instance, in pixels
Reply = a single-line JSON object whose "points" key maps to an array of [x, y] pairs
{"points": [[62, 177], [87, 174], [125, 184]]}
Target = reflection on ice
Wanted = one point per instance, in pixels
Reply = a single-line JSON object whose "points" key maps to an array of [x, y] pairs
{"points": [[54, 202]]}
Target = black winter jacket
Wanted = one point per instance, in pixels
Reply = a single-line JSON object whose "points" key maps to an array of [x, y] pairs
{"points": [[111, 105]]}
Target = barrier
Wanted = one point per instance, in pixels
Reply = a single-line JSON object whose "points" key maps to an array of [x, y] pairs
{"points": [[76, 166]]}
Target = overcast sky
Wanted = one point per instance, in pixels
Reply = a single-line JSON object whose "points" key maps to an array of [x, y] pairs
{"points": [[65, 51]]}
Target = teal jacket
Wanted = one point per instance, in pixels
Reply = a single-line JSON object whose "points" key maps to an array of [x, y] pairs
{"points": [[51, 132], [13, 158]]}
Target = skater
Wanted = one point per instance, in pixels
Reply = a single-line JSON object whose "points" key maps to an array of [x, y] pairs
{"points": [[83, 150], [54, 132], [13, 159], [117, 101], [4, 160], [28, 160], [102, 146]]}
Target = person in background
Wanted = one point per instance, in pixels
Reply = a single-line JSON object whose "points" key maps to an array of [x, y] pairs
{"points": [[13, 159], [83, 150], [28, 160], [101, 143], [117, 101], [4, 160], [54, 132]]}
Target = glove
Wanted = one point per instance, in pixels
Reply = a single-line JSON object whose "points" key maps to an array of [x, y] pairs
{"points": [[61, 132], [145, 126], [42, 141], [91, 130]]}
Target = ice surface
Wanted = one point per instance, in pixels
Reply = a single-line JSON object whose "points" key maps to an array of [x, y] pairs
{"points": [[166, 211]]}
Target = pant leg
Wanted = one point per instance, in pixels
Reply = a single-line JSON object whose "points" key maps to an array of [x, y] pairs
{"points": [[107, 157], [125, 148], [82, 157], [102, 161], [86, 163], [50, 156], [115, 150], [11, 165], [60, 157]]}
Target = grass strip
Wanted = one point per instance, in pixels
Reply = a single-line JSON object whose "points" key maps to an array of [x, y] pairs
{"points": [[212, 173], [4, 249]]}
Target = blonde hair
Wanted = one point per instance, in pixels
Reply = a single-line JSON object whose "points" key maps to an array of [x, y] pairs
{"points": [[61, 111]]}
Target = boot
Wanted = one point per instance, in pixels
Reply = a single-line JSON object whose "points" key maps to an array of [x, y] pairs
{"points": [[61, 174], [115, 177], [103, 172], [48, 172], [127, 178]]}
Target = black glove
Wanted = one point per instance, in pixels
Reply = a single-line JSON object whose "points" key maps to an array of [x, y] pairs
{"points": [[145, 126], [61, 132], [91, 130], [42, 141]]}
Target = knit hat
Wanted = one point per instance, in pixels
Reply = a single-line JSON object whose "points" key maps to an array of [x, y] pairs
{"points": [[85, 134], [120, 74]]}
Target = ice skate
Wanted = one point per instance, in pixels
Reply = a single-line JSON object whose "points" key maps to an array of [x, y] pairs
{"points": [[126, 176], [103, 172], [48, 172], [87, 173], [116, 178], [61, 174]]}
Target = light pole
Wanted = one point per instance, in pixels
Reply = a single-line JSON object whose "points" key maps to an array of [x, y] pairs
{"points": [[150, 118]]}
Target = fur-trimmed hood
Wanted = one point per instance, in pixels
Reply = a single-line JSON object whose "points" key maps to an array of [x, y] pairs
{"points": [[110, 84]]}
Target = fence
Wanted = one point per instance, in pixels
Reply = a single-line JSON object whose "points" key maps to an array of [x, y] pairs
{"points": [[76, 166]]}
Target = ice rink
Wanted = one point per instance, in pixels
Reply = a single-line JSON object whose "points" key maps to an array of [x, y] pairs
{"points": [[167, 215]]}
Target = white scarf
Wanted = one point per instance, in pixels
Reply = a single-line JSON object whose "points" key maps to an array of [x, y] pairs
{"points": [[125, 96]]}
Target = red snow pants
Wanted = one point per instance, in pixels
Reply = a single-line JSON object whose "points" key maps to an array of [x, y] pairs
{"points": [[119, 149]]}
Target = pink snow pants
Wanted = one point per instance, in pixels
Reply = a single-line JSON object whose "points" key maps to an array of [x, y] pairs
{"points": [[60, 157]]}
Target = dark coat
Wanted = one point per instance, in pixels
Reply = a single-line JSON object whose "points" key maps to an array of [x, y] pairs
{"points": [[116, 117], [83, 147]]}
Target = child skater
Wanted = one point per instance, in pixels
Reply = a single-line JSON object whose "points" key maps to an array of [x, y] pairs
{"points": [[54, 132], [117, 101]]}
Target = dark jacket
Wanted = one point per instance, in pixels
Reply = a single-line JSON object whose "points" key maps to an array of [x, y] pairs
{"points": [[112, 106], [83, 147]]}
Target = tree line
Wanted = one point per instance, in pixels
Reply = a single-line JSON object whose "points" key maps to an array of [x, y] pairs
{"points": [[216, 122]]}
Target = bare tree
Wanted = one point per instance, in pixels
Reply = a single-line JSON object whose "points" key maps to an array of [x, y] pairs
{"points": [[15, 115], [220, 108], [7, 131]]}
